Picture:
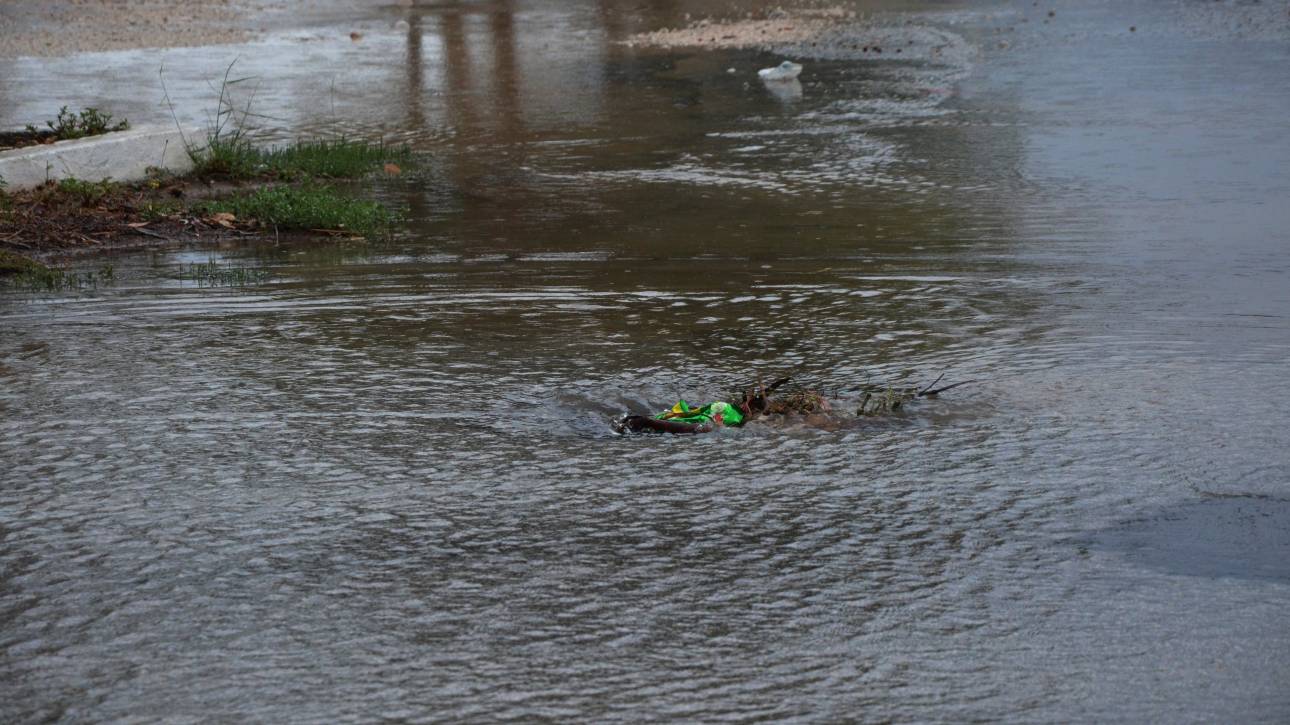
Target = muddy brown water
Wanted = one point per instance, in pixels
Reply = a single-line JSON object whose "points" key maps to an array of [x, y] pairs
{"points": [[382, 483]]}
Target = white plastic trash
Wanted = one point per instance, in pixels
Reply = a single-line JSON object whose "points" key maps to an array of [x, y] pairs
{"points": [[786, 71]]}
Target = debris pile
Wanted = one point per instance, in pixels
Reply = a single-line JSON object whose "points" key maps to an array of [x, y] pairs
{"points": [[781, 399]]}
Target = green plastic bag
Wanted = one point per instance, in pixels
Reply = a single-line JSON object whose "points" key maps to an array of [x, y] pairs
{"points": [[718, 412]]}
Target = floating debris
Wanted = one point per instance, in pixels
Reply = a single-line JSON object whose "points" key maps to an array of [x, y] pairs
{"points": [[784, 72], [777, 399]]}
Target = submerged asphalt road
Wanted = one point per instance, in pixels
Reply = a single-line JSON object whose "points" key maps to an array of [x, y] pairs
{"points": [[382, 484]]}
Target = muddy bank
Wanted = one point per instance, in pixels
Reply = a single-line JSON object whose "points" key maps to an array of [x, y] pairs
{"points": [[74, 218], [234, 188], [56, 222]]}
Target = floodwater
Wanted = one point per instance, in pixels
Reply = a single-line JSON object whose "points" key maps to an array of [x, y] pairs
{"points": [[382, 483]]}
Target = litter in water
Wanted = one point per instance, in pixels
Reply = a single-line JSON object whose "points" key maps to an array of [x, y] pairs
{"points": [[786, 71]]}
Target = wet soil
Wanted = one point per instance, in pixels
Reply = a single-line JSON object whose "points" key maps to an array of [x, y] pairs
{"points": [[52, 224]]}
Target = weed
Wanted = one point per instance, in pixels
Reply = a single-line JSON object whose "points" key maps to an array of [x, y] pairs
{"points": [[156, 177], [157, 210], [88, 192], [232, 157], [228, 150], [310, 207], [212, 274], [89, 122], [229, 153]]}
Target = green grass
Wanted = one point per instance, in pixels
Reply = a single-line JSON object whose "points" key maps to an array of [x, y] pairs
{"points": [[338, 159], [31, 275], [89, 122], [234, 156], [88, 192], [309, 207]]}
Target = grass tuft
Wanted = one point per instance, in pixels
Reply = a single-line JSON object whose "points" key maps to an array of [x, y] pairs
{"points": [[88, 192], [336, 159], [309, 207], [233, 156]]}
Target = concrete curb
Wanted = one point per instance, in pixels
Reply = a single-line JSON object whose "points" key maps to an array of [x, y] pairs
{"points": [[120, 156]]}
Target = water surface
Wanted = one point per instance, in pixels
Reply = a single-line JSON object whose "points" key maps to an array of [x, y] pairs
{"points": [[382, 484]]}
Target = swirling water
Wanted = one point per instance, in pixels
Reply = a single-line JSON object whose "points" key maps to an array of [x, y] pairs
{"points": [[382, 484]]}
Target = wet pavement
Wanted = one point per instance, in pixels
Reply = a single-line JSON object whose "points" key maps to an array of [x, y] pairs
{"points": [[382, 483]]}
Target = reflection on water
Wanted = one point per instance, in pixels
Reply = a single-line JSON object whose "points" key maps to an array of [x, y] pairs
{"points": [[382, 483], [1237, 536]]}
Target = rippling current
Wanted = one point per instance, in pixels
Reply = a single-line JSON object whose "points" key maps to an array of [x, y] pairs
{"points": [[382, 484]]}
